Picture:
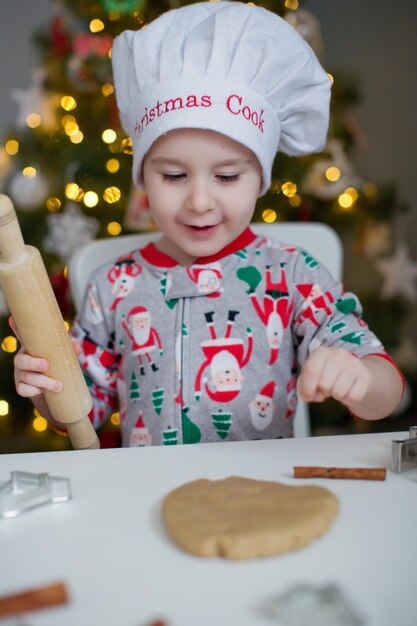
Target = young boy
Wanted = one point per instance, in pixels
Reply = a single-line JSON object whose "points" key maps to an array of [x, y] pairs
{"points": [[206, 334]]}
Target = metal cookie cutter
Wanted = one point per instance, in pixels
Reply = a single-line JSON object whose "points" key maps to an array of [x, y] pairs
{"points": [[25, 490], [404, 452]]}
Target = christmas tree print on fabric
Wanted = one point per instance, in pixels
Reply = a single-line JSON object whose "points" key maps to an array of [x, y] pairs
{"points": [[158, 400], [170, 437], [241, 254], [134, 393], [309, 260], [190, 432], [222, 422], [163, 287]]}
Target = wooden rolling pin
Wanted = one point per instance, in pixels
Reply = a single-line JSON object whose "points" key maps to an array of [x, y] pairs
{"points": [[32, 302]]}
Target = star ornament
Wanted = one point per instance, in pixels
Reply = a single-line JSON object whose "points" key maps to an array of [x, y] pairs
{"points": [[399, 273]]}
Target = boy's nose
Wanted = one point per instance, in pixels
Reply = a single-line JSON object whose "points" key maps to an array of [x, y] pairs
{"points": [[200, 198]]}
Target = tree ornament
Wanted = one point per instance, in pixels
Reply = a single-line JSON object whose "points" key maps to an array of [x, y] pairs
{"points": [[123, 6], [36, 100], [68, 230], [377, 240], [316, 181], [399, 273], [308, 26], [28, 192]]}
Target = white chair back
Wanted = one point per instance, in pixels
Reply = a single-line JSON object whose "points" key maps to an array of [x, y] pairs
{"points": [[319, 239]]}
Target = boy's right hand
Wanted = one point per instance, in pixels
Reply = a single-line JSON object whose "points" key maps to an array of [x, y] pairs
{"points": [[30, 373]]}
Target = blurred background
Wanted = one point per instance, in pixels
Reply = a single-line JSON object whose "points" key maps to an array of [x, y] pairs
{"points": [[65, 162]]}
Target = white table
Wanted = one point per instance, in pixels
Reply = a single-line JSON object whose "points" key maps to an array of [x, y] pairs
{"points": [[108, 543]]}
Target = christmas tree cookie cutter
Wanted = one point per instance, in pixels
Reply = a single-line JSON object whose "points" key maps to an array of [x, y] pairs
{"points": [[404, 451], [25, 491]]}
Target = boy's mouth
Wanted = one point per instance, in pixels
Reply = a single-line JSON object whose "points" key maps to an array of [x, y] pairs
{"points": [[203, 231]]}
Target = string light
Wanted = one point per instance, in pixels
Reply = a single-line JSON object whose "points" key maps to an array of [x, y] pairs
{"points": [[74, 192], [107, 89], [370, 190], [9, 344], [90, 199], [127, 146], [109, 135], [53, 204], [39, 424], [29, 172], [346, 199], [113, 166], [77, 137], [291, 4], [12, 147], [289, 189], [114, 229], [295, 200], [68, 103], [96, 25], [112, 194], [115, 419], [332, 174], [4, 408], [33, 120], [269, 216]]}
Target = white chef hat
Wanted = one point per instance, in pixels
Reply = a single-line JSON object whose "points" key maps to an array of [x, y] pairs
{"points": [[229, 67]]}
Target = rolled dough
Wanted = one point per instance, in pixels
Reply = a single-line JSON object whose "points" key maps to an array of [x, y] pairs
{"points": [[241, 518]]}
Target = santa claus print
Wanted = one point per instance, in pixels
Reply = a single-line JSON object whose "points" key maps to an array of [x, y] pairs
{"points": [[122, 276], [315, 301], [208, 279], [262, 407], [225, 358], [276, 308], [144, 337], [140, 435], [100, 363]]}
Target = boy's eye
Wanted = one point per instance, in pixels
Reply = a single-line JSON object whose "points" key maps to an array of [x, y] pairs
{"points": [[173, 178], [228, 178]]}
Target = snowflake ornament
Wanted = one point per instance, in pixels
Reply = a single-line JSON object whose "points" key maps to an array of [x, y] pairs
{"points": [[317, 184], [35, 100], [399, 273], [69, 230]]}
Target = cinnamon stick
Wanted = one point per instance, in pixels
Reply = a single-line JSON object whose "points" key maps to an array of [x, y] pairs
{"points": [[355, 473], [38, 598]]}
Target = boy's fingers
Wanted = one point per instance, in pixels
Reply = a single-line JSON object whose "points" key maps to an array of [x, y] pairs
{"points": [[76, 345], [23, 361], [33, 383], [308, 382]]}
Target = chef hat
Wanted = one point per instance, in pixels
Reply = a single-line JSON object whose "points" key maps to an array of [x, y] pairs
{"points": [[228, 67]]}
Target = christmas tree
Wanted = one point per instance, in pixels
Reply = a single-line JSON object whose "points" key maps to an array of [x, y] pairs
{"points": [[66, 164]]}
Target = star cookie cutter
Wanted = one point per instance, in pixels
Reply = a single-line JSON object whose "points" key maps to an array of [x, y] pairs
{"points": [[25, 491], [404, 452]]}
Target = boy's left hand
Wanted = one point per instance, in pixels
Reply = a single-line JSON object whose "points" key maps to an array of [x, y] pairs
{"points": [[334, 373]]}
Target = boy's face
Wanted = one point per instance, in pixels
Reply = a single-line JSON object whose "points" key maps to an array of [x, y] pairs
{"points": [[202, 189]]}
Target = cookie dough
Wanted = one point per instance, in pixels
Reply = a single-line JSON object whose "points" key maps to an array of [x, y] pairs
{"points": [[241, 518]]}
